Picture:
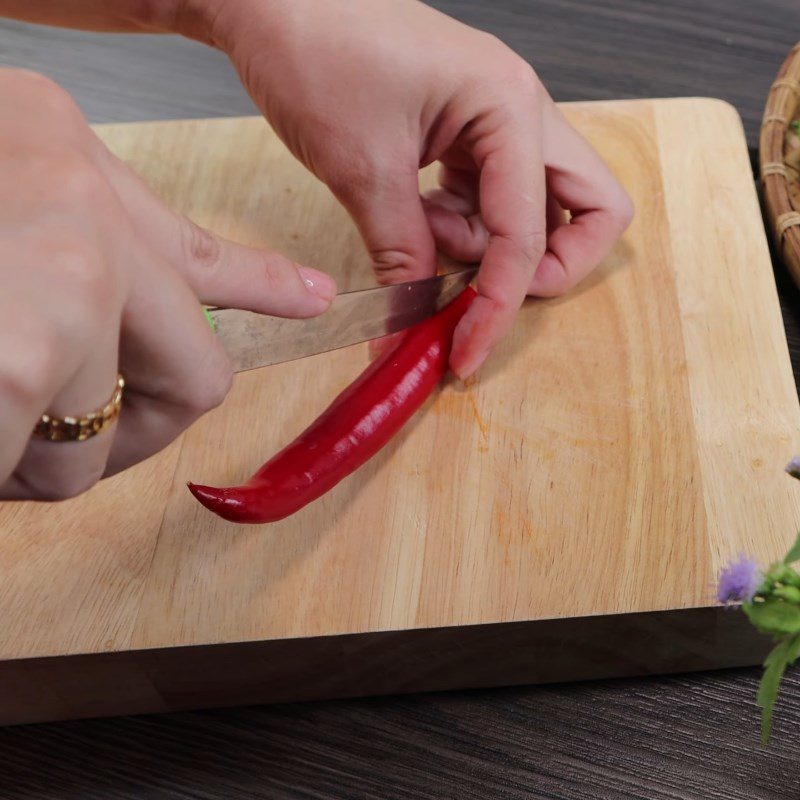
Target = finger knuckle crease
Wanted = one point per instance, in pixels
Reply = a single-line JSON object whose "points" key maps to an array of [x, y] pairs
{"points": [[279, 275], [388, 265], [530, 247], [201, 246]]}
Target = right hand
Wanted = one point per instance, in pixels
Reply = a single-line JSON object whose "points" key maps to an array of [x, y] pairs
{"points": [[98, 276]]}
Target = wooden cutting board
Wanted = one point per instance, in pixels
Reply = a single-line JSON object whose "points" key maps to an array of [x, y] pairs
{"points": [[563, 516]]}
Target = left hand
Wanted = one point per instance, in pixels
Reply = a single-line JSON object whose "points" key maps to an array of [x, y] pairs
{"points": [[365, 92]]}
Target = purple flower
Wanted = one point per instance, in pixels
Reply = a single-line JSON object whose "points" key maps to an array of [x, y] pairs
{"points": [[793, 467], [739, 581]]}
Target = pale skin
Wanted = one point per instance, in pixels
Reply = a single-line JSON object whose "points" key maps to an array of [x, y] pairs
{"points": [[99, 276]]}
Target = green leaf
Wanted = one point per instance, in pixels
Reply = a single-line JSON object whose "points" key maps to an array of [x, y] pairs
{"points": [[783, 654], [795, 126], [789, 593], [779, 573], [794, 552], [774, 617]]}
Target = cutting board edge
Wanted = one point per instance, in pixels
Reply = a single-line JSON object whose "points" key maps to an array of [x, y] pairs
{"points": [[101, 655], [376, 663], [410, 629]]}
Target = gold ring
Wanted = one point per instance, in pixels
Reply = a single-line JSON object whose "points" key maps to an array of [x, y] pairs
{"points": [[79, 429]]}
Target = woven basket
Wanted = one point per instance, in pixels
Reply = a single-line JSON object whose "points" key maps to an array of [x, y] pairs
{"points": [[779, 157]]}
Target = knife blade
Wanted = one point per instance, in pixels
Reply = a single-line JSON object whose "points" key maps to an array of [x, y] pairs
{"points": [[258, 340]]}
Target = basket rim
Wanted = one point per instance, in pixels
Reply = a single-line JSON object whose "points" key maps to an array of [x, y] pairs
{"points": [[783, 105]]}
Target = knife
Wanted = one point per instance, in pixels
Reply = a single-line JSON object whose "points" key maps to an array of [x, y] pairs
{"points": [[258, 340]]}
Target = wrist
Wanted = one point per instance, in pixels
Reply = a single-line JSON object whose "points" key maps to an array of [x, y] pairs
{"points": [[212, 22], [222, 23], [198, 19]]}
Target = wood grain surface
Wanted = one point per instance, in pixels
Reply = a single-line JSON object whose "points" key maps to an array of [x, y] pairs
{"points": [[692, 737], [602, 497]]}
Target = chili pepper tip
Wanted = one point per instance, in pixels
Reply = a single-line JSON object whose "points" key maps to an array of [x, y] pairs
{"points": [[227, 503], [207, 495]]}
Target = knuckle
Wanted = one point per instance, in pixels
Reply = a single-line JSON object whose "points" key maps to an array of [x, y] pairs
{"points": [[79, 182], [524, 250], [83, 272], [219, 387], [521, 74], [514, 72], [392, 266], [57, 102], [202, 396], [26, 377], [533, 246], [200, 247], [280, 275], [50, 97], [500, 304], [68, 183]]}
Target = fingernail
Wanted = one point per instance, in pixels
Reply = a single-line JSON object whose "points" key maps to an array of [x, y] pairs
{"points": [[470, 365], [318, 283]]}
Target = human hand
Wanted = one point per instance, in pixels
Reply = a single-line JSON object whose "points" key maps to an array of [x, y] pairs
{"points": [[365, 92], [100, 277]]}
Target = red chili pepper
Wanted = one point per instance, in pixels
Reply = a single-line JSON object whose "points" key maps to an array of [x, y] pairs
{"points": [[351, 430]]}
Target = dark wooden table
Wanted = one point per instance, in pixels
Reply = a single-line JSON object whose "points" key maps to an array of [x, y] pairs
{"points": [[683, 737]]}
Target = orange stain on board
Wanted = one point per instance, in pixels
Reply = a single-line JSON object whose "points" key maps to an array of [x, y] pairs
{"points": [[477, 414], [514, 534], [501, 529], [447, 402]]}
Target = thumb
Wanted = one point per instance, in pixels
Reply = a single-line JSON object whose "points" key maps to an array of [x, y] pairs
{"points": [[390, 217], [219, 271]]}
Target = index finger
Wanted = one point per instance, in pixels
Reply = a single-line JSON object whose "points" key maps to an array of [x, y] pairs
{"points": [[512, 199]]}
